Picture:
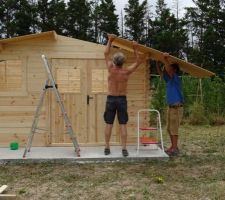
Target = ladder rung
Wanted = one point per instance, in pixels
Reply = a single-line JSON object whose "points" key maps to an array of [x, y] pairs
{"points": [[148, 129], [42, 129], [146, 140]]}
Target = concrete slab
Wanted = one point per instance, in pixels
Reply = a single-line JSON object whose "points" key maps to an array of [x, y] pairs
{"points": [[95, 153]]}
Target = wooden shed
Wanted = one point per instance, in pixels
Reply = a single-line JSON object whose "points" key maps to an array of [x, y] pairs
{"points": [[80, 72]]}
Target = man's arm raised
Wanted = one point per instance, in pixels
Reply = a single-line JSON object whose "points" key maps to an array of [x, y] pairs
{"points": [[108, 60], [167, 63], [159, 70], [138, 60]]}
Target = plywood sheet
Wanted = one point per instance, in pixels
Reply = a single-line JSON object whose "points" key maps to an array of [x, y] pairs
{"points": [[154, 54]]}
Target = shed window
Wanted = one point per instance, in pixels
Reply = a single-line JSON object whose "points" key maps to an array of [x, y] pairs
{"points": [[68, 80], [11, 75], [99, 80]]}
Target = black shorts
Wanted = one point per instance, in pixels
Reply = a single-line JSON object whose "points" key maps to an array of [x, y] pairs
{"points": [[116, 104]]}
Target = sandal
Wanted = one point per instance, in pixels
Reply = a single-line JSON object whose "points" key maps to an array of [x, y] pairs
{"points": [[125, 152], [173, 152], [107, 151]]}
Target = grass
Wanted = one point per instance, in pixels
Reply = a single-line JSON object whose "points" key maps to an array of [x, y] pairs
{"points": [[198, 173]]}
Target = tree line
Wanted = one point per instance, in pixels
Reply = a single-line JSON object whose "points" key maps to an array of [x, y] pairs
{"points": [[198, 37]]}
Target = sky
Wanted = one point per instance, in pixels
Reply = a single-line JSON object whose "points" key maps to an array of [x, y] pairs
{"points": [[120, 4]]}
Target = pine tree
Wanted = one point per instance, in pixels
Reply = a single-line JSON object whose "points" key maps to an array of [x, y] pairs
{"points": [[135, 25], [15, 18], [168, 33], [24, 17], [96, 20], [52, 15], [207, 22], [108, 19], [79, 21]]}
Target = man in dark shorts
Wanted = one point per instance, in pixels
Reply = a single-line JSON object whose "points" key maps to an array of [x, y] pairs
{"points": [[175, 101], [117, 89]]}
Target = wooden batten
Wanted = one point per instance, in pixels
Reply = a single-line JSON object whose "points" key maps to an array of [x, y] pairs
{"points": [[1, 47]]}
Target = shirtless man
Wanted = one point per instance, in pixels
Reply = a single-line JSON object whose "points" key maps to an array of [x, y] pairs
{"points": [[117, 90]]}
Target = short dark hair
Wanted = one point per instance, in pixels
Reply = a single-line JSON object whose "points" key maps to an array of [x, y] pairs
{"points": [[175, 66]]}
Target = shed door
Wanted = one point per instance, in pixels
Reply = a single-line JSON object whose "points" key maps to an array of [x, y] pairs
{"points": [[97, 92], [70, 76], [83, 88]]}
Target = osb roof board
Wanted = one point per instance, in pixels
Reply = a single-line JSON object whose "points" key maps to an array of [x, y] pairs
{"points": [[154, 54]]}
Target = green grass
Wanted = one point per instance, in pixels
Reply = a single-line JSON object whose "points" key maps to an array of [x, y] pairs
{"points": [[198, 173]]}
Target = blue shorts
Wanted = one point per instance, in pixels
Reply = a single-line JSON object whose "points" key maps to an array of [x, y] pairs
{"points": [[116, 104]]}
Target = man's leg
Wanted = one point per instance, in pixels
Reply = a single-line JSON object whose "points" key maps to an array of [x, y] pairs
{"points": [[123, 130], [168, 129], [175, 126], [171, 141], [108, 132], [174, 139], [109, 116], [172, 128]]}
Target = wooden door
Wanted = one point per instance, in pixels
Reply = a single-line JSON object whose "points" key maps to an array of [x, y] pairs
{"points": [[83, 87], [70, 76], [97, 91]]}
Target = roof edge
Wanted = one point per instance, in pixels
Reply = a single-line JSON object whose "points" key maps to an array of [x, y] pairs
{"points": [[52, 34]]}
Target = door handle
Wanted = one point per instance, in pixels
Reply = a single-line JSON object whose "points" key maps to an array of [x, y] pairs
{"points": [[88, 99]]}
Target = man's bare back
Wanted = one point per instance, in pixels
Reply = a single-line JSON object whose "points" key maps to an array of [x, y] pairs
{"points": [[118, 76], [117, 81]]}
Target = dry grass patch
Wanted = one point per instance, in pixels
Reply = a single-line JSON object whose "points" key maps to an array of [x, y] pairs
{"points": [[198, 173]]}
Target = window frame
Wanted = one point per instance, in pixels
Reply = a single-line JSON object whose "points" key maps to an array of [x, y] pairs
{"points": [[22, 91]]}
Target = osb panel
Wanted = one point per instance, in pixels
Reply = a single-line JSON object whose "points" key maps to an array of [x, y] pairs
{"points": [[157, 55]]}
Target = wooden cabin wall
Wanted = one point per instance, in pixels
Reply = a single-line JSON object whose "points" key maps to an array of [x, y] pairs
{"points": [[17, 109], [138, 87]]}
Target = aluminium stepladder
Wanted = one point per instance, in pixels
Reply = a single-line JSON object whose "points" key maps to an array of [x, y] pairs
{"points": [[158, 128], [34, 129]]}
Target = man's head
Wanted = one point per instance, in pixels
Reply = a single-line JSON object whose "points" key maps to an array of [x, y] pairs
{"points": [[175, 67], [118, 59]]}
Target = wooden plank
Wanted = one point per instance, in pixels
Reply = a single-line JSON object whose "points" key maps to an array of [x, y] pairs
{"points": [[7, 196], [20, 101], [21, 138], [154, 54], [18, 108], [1, 47], [2, 188]]}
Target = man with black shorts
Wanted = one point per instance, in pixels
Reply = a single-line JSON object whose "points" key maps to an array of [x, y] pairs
{"points": [[116, 102]]}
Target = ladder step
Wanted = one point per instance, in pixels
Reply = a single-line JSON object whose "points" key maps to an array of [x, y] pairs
{"points": [[146, 140], [148, 129], [42, 129]]}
